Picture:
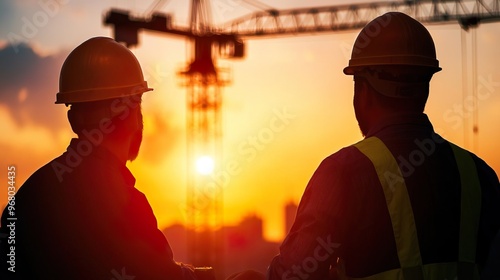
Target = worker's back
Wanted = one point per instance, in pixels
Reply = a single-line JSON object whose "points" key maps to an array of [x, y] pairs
{"points": [[354, 208], [429, 168], [403, 203]]}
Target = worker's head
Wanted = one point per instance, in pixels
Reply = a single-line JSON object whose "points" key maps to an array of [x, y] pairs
{"points": [[103, 83], [392, 61]]}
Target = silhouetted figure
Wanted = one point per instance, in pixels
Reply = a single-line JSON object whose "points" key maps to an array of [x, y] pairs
{"points": [[80, 216], [403, 203]]}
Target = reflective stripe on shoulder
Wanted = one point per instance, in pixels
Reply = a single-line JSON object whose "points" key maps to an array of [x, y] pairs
{"points": [[397, 198], [403, 222]]}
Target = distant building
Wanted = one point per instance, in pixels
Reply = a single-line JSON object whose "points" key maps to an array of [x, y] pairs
{"points": [[244, 246], [244, 243]]}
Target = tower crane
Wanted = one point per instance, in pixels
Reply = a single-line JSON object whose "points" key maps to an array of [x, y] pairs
{"points": [[468, 13], [204, 79]]}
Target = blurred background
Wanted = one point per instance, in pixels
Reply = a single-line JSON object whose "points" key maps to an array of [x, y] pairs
{"points": [[288, 105]]}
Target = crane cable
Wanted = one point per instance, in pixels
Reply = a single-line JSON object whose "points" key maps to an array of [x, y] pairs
{"points": [[475, 112], [259, 5], [156, 5], [469, 111], [464, 86]]}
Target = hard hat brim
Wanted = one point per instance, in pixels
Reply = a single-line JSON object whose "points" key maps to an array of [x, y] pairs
{"points": [[90, 95], [395, 60]]}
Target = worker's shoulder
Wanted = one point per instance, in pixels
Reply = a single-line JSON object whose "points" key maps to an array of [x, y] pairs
{"points": [[483, 169], [66, 170], [346, 158], [36, 191], [42, 176]]}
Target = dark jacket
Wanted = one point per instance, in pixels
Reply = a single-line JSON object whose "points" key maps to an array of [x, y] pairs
{"points": [[343, 212], [80, 217]]}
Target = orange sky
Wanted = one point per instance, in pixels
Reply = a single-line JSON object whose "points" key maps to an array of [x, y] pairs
{"points": [[300, 77]]}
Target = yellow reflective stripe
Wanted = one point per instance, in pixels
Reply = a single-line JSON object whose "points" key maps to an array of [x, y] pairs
{"points": [[397, 198], [399, 206], [470, 205]]}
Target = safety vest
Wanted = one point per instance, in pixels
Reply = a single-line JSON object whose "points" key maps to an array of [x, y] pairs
{"points": [[403, 222]]}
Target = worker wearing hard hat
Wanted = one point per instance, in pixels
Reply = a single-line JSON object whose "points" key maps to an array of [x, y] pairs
{"points": [[80, 216], [403, 203]]}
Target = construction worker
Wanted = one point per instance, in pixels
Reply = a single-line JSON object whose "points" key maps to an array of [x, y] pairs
{"points": [[80, 216], [403, 203]]}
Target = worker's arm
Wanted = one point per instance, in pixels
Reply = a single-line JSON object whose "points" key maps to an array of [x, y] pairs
{"points": [[148, 252], [314, 242]]}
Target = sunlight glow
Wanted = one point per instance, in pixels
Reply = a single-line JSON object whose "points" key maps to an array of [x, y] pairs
{"points": [[205, 165]]}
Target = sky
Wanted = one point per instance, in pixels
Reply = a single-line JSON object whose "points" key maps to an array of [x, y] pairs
{"points": [[296, 80]]}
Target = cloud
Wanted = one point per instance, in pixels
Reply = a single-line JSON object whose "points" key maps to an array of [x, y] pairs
{"points": [[28, 84], [34, 129]]}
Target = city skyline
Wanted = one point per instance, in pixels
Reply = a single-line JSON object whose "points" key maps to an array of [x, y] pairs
{"points": [[245, 246]]}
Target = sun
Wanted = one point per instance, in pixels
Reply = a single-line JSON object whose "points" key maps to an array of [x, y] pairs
{"points": [[205, 165]]}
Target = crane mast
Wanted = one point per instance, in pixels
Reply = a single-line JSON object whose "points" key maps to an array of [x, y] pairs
{"points": [[204, 82]]}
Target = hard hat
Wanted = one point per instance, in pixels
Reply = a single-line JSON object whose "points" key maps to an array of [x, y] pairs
{"points": [[393, 39], [100, 69]]}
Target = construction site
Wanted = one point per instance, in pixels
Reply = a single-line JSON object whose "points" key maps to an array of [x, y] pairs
{"points": [[249, 97]]}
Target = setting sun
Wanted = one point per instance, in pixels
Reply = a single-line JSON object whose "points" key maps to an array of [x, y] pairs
{"points": [[205, 165]]}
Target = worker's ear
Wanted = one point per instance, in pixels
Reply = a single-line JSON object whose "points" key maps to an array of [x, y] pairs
{"points": [[135, 121], [369, 94], [76, 121], [362, 94]]}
